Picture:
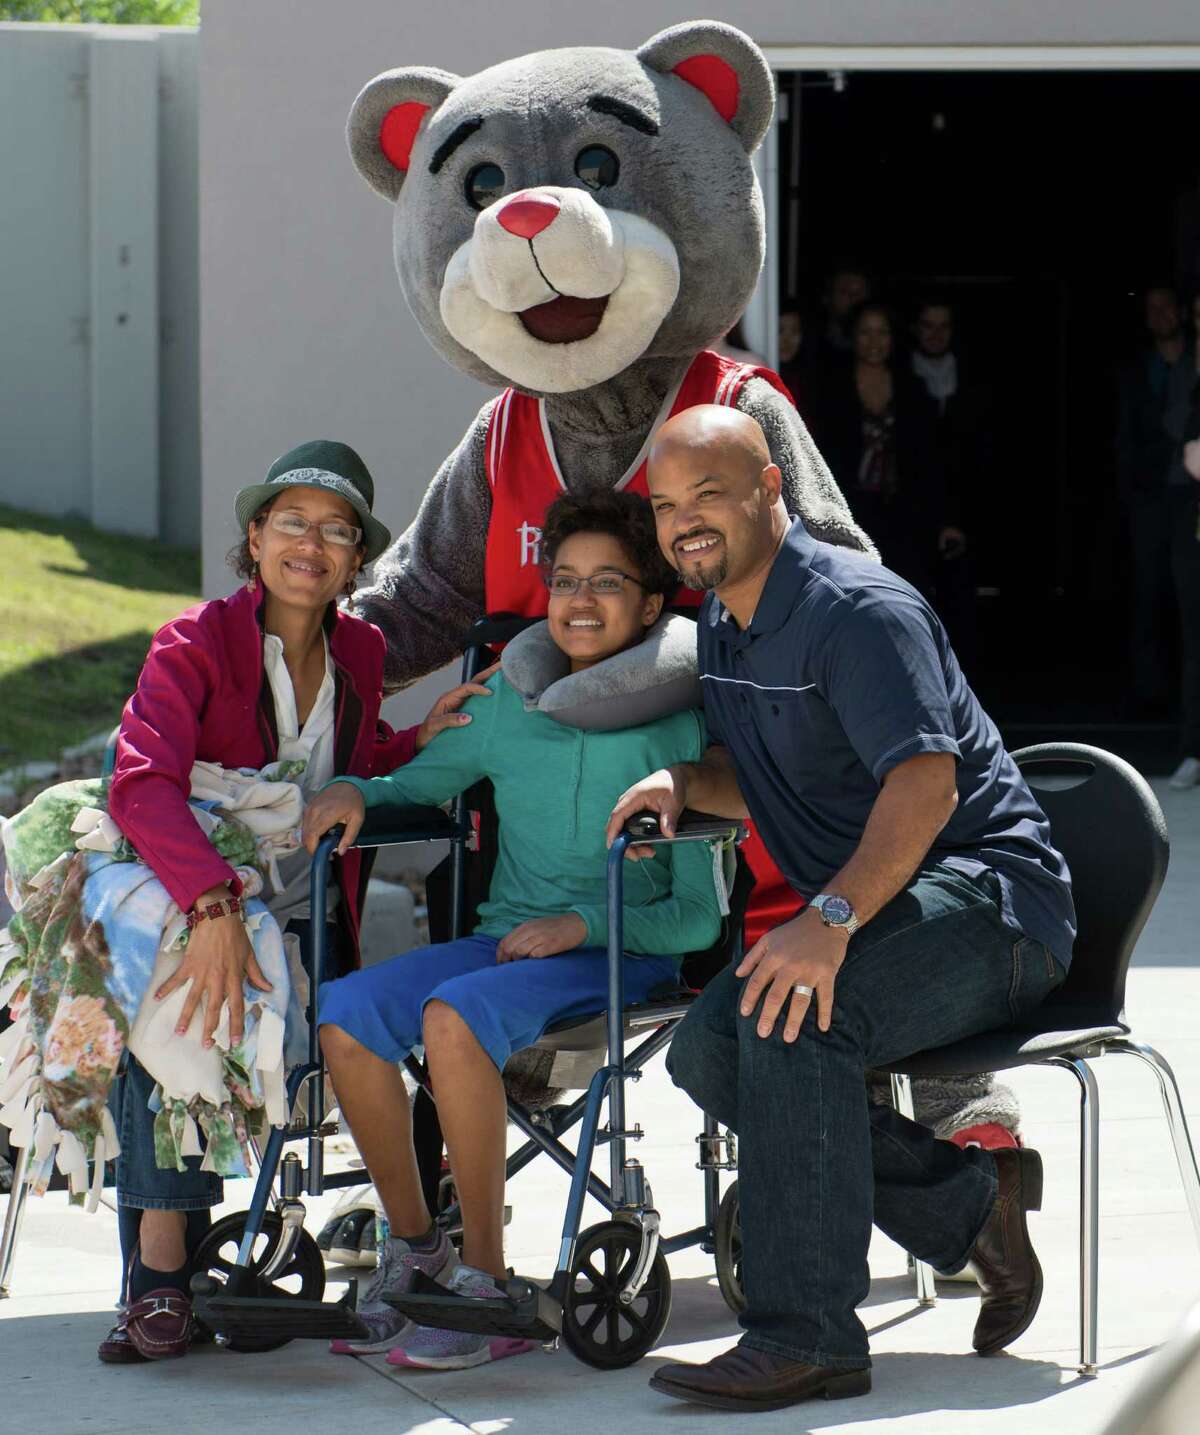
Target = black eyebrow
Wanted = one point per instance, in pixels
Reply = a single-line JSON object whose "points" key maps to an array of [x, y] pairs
{"points": [[627, 114], [452, 141]]}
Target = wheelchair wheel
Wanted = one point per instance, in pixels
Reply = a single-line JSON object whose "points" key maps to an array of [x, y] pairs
{"points": [[728, 1251], [302, 1278], [596, 1326]]}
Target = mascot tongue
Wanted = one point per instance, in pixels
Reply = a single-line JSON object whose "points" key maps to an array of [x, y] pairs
{"points": [[564, 320]]}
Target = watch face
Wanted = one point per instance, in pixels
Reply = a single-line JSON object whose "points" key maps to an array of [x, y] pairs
{"points": [[836, 911]]}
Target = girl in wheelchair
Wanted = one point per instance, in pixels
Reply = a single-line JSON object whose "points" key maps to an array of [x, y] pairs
{"points": [[538, 953]]}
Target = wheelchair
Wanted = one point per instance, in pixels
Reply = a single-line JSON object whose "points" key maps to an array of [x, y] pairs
{"points": [[260, 1276]]}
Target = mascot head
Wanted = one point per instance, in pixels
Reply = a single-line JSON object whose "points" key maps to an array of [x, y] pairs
{"points": [[560, 216]]}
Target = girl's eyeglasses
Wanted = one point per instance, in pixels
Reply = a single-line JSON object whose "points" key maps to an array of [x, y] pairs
{"points": [[603, 585]]}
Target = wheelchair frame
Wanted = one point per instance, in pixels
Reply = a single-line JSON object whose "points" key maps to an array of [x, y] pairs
{"points": [[244, 1314]]}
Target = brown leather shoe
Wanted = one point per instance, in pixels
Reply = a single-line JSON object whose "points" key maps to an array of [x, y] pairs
{"points": [[117, 1348], [1003, 1256], [748, 1379], [160, 1324]]}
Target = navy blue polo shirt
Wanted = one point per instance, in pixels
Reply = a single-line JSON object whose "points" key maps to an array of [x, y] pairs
{"points": [[843, 673]]}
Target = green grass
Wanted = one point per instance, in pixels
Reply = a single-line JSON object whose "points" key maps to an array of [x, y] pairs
{"points": [[77, 610]]}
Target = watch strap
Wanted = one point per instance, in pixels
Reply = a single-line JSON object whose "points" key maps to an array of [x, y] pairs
{"points": [[849, 927]]}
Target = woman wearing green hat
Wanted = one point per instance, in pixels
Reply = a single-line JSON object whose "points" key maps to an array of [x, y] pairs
{"points": [[278, 670]]}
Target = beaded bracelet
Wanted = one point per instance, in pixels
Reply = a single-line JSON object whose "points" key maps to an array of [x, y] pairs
{"points": [[226, 907]]}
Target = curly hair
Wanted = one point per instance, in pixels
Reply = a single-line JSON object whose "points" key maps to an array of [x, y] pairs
{"points": [[239, 557], [623, 516]]}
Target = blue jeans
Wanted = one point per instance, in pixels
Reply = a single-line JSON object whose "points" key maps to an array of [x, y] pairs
{"points": [[817, 1164]]}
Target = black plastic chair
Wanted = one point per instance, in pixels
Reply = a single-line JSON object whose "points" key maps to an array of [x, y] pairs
{"points": [[1108, 825]]}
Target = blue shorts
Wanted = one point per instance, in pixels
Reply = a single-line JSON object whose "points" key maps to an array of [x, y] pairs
{"points": [[506, 1005]]}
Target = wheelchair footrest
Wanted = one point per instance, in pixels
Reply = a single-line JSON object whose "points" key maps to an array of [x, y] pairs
{"points": [[524, 1312], [260, 1318]]}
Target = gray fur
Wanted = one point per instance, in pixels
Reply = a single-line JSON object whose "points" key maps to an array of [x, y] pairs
{"points": [[421, 84], [428, 587], [950, 1104], [756, 100], [694, 179]]}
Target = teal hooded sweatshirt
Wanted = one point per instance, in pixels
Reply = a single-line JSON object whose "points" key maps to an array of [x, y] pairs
{"points": [[555, 790]]}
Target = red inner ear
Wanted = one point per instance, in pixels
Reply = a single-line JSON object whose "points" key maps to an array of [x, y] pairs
{"points": [[716, 78], [399, 130]]}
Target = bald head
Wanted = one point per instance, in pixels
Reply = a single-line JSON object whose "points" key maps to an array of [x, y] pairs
{"points": [[716, 495], [714, 434]]}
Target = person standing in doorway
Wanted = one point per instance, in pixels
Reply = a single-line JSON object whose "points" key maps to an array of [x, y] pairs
{"points": [[964, 425], [1154, 396], [1183, 521], [877, 429], [849, 287]]}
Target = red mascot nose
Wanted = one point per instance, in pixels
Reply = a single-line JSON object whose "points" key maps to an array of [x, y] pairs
{"points": [[526, 216]]}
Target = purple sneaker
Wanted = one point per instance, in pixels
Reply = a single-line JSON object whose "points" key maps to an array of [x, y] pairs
{"points": [[425, 1348], [394, 1276]]}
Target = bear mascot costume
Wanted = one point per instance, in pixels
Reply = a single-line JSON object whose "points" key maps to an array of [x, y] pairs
{"points": [[574, 228]]}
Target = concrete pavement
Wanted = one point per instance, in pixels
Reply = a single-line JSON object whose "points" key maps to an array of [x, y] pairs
{"points": [[926, 1380]]}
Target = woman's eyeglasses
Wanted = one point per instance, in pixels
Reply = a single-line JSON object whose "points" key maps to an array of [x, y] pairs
{"points": [[291, 525], [603, 585]]}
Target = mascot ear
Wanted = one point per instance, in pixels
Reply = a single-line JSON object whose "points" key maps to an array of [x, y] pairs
{"points": [[725, 65], [385, 119]]}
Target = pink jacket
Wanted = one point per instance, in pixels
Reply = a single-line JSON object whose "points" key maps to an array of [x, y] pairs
{"points": [[203, 696]]}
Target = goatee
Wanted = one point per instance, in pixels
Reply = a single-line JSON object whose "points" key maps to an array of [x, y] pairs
{"points": [[704, 580]]}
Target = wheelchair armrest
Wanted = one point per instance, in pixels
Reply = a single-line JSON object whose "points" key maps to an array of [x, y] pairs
{"points": [[643, 828], [392, 826]]}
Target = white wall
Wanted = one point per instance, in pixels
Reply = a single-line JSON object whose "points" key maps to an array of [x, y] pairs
{"points": [[304, 330], [99, 381]]}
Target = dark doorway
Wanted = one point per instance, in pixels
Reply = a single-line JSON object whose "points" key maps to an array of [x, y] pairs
{"points": [[1039, 204]]}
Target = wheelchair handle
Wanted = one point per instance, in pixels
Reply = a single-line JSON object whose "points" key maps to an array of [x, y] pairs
{"points": [[644, 828]]}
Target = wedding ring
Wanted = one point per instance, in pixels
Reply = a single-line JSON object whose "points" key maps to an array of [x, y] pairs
{"points": [[801, 990]]}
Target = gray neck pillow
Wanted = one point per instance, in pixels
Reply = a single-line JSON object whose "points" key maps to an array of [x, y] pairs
{"points": [[653, 679]]}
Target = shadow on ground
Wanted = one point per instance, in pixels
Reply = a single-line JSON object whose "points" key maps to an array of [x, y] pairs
{"points": [[34, 698], [126, 562]]}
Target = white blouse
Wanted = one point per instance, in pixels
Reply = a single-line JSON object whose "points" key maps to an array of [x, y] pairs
{"points": [[313, 742]]}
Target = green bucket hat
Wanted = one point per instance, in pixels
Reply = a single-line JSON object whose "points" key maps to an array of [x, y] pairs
{"points": [[320, 464]]}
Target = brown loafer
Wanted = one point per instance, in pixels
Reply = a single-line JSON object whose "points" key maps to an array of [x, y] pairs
{"points": [[1003, 1255], [160, 1324], [117, 1348], [747, 1379]]}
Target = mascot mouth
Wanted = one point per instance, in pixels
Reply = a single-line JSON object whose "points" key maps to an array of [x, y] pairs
{"points": [[564, 320]]}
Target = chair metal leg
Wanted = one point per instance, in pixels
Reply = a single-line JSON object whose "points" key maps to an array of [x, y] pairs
{"points": [[1181, 1137], [1089, 1208], [902, 1100], [12, 1219]]}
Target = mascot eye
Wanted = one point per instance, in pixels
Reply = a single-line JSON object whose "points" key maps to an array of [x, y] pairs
{"points": [[485, 185], [597, 167]]}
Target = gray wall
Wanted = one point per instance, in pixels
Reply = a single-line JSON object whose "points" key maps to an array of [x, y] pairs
{"points": [[99, 353], [305, 332]]}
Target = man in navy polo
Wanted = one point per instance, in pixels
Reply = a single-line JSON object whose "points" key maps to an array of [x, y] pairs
{"points": [[936, 908]]}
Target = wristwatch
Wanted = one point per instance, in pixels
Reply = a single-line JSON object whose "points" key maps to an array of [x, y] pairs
{"points": [[837, 912]]}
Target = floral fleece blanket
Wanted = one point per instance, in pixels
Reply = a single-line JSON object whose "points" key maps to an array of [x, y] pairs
{"points": [[93, 936]]}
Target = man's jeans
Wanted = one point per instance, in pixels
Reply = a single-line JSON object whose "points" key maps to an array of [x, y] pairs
{"points": [[816, 1164]]}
